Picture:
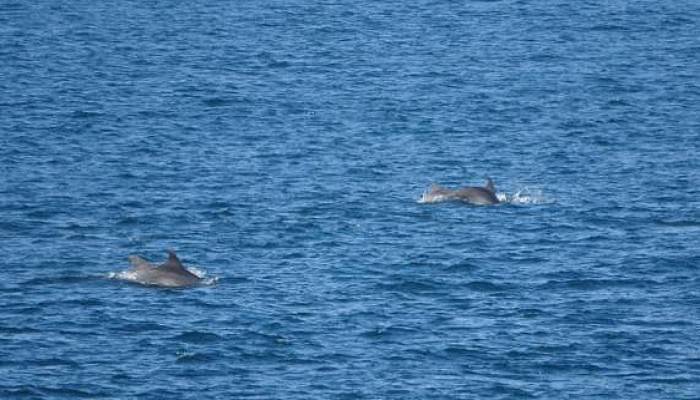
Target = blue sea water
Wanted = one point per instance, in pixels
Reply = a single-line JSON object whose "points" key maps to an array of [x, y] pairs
{"points": [[282, 148]]}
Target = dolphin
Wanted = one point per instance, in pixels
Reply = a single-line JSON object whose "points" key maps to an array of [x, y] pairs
{"points": [[169, 274], [472, 194]]}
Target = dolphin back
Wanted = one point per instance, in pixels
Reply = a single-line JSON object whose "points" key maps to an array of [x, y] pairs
{"points": [[139, 262], [476, 195]]}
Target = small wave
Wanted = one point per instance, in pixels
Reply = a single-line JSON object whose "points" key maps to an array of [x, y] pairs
{"points": [[53, 362], [218, 102], [679, 223], [677, 226], [388, 331], [488, 287], [12, 330], [197, 337], [35, 391], [201, 274], [188, 357], [462, 266], [408, 286], [597, 284], [58, 280]]}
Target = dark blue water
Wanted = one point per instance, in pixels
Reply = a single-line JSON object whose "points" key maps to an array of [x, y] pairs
{"points": [[282, 148]]}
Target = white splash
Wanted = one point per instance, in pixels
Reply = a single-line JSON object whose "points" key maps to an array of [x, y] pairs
{"points": [[127, 275], [524, 196], [427, 197], [201, 274]]}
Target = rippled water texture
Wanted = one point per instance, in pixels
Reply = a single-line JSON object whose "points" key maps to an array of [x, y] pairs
{"points": [[282, 148]]}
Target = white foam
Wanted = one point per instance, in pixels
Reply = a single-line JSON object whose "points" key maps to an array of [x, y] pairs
{"points": [[427, 198], [128, 275], [502, 197], [524, 196], [201, 274]]}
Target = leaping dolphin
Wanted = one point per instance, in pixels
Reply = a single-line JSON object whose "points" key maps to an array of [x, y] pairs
{"points": [[169, 274], [473, 194]]}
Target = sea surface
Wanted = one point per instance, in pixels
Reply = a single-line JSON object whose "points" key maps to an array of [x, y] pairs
{"points": [[282, 149]]}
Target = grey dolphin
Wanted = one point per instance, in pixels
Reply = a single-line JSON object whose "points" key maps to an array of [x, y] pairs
{"points": [[169, 274], [473, 194]]}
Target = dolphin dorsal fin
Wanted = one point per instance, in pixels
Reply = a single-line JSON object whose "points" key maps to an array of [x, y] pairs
{"points": [[173, 264], [489, 185]]}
